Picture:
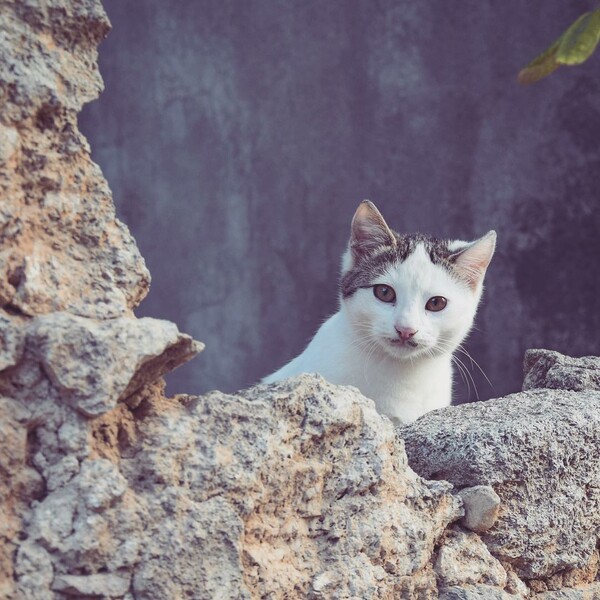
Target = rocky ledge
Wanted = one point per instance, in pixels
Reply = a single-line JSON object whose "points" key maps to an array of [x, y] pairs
{"points": [[297, 490]]}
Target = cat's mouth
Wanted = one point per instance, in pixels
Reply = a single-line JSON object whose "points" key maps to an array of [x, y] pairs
{"points": [[399, 342]]}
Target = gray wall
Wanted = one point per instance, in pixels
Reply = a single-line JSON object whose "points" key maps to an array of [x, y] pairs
{"points": [[239, 136]]}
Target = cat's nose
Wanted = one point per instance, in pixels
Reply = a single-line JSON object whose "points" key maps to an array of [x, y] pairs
{"points": [[405, 333]]}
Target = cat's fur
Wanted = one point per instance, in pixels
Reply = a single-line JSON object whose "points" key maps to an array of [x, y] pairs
{"points": [[398, 353]]}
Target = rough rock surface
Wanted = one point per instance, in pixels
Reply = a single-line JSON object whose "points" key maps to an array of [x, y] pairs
{"points": [[304, 484], [549, 369], [61, 247], [70, 275], [536, 449], [482, 505], [297, 490]]}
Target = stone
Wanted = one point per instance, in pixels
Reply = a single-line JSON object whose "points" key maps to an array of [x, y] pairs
{"points": [[482, 505], [474, 592], [62, 247], [9, 140], [549, 369], [18, 484], [12, 341], [306, 474], [515, 585], [464, 559], [105, 585], [94, 364], [537, 449], [34, 571], [587, 592]]}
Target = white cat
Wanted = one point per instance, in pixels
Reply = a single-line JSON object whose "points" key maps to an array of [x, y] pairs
{"points": [[406, 304]]}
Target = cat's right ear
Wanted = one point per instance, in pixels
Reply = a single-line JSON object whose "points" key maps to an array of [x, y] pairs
{"points": [[369, 230]]}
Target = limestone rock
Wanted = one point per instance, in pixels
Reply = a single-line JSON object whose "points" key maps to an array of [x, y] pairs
{"points": [[464, 559], [12, 341], [99, 584], [474, 592], [314, 497], [61, 246], [587, 592], [538, 451], [515, 586], [549, 369], [481, 504], [299, 489], [95, 363], [34, 571]]}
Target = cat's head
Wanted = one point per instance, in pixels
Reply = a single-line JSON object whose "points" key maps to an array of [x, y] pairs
{"points": [[410, 296]]}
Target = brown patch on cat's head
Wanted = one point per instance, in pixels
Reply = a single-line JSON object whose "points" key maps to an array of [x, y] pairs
{"points": [[373, 247]]}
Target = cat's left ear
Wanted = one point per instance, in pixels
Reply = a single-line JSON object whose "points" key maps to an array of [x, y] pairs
{"points": [[369, 230], [472, 261]]}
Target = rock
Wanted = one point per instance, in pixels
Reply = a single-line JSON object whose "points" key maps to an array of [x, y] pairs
{"points": [[34, 572], [94, 364], [588, 592], [306, 474], [61, 246], [12, 341], [538, 451], [515, 585], [464, 559], [9, 141], [18, 484], [105, 585], [481, 504], [549, 369], [70, 276], [474, 592]]}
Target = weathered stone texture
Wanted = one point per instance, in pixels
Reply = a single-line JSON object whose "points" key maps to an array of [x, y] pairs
{"points": [[59, 490], [61, 247], [482, 505], [536, 449], [70, 275], [464, 559], [549, 369], [303, 486]]}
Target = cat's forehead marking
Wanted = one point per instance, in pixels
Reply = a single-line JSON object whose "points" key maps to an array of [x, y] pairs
{"points": [[367, 268]]}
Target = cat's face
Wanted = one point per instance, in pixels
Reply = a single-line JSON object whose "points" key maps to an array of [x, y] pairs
{"points": [[410, 296]]}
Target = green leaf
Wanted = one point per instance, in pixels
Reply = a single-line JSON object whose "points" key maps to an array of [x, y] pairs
{"points": [[573, 47], [541, 66], [579, 41]]}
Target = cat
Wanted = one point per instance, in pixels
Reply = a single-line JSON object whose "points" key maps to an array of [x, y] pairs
{"points": [[406, 304]]}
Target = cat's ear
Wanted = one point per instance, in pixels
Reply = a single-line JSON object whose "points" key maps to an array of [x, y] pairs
{"points": [[369, 230], [472, 260]]}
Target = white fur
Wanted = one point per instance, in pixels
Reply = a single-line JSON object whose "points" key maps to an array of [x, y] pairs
{"points": [[354, 347]]}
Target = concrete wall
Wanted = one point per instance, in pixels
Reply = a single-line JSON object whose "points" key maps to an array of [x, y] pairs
{"points": [[239, 136]]}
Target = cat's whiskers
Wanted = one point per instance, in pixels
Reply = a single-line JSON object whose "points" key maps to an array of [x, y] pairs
{"points": [[367, 345], [462, 349], [466, 374], [370, 354], [465, 369]]}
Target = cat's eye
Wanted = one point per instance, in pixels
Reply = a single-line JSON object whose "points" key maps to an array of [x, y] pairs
{"points": [[436, 304], [384, 293]]}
